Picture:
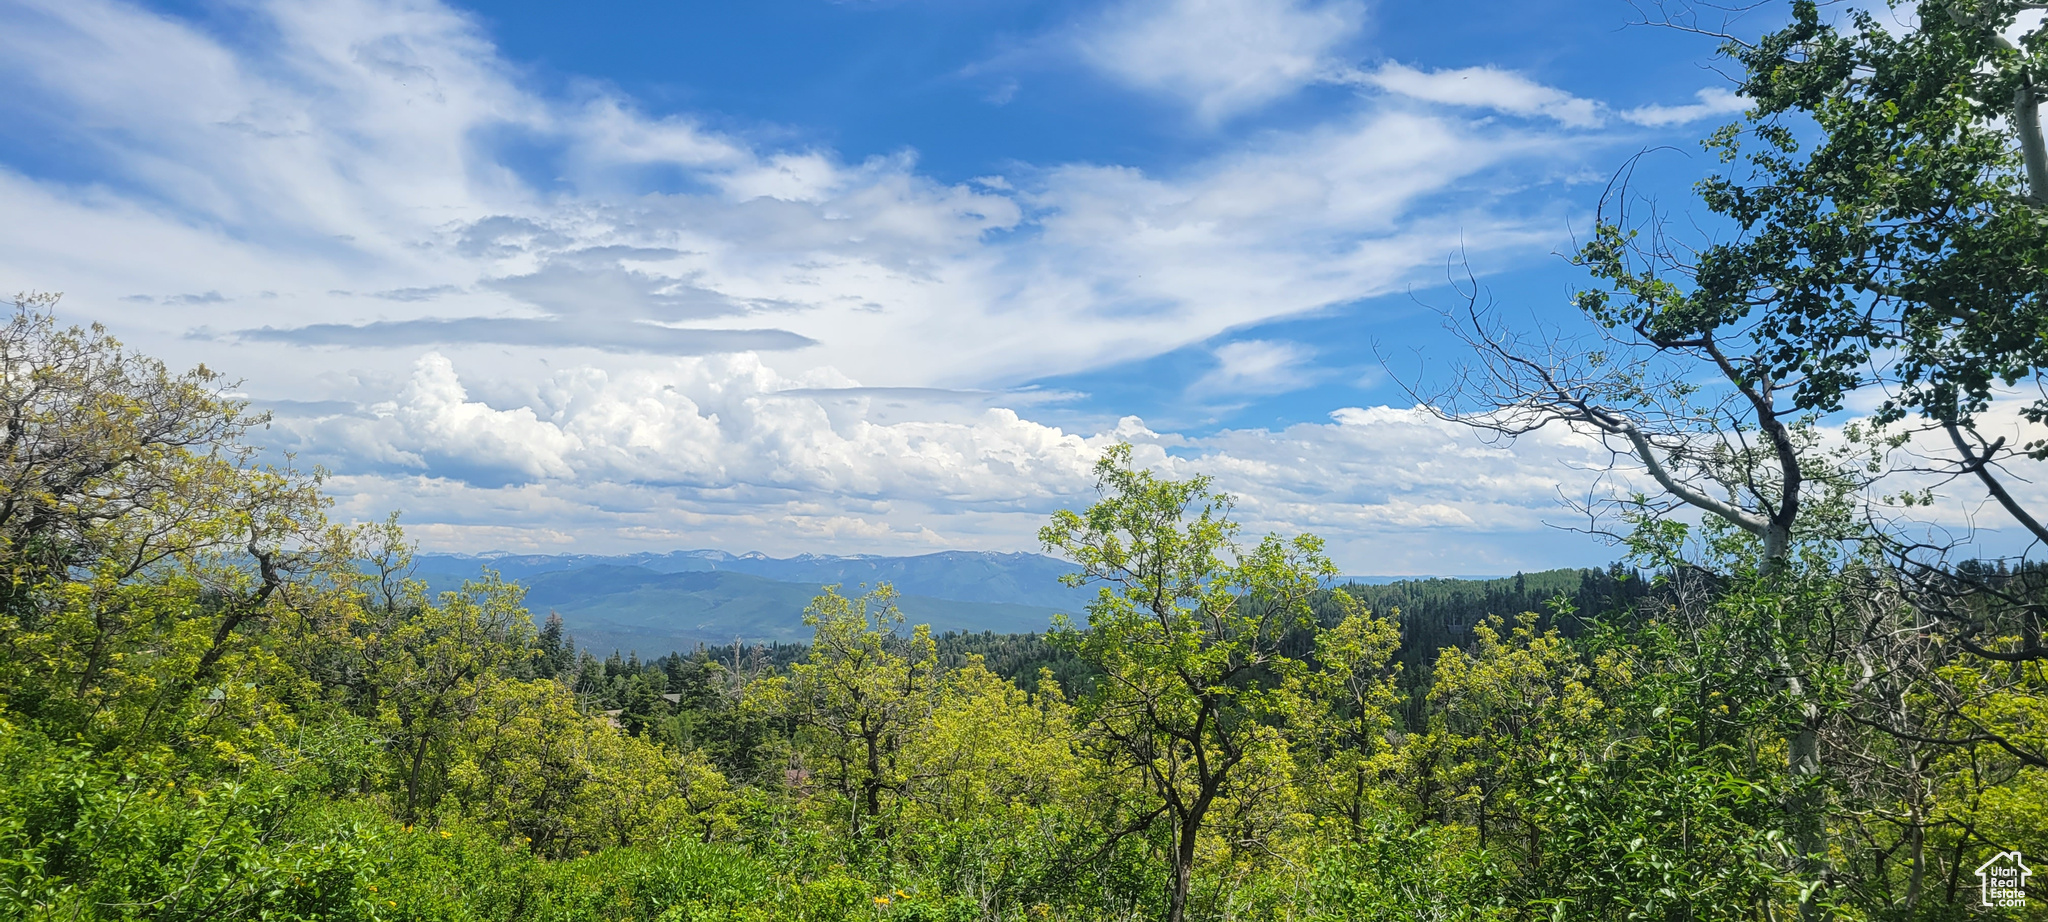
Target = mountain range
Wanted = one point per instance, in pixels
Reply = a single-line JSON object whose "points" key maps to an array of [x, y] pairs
{"points": [[653, 603], [656, 603]]}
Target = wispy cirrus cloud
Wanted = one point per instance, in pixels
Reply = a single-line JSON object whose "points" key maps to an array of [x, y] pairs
{"points": [[622, 327], [398, 186], [1486, 88], [1253, 367], [1513, 93], [515, 331], [1712, 102]]}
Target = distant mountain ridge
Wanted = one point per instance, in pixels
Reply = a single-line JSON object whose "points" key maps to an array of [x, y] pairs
{"points": [[655, 603], [967, 576]]}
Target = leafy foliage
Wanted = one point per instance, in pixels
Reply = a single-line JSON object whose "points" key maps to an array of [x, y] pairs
{"points": [[217, 704]]}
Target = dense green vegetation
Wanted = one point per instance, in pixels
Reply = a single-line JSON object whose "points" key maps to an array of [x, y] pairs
{"points": [[217, 704]]}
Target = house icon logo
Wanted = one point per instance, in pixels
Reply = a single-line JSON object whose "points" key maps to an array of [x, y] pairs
{"points": [[2004, 880]]}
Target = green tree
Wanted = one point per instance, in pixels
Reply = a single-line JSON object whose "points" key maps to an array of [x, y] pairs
{"points": [[557, 648], [142, 546], [857, 699], [1502, 704], [642, 710], [1186, 632], [434, 665], [1887, 189], [991, 748]]}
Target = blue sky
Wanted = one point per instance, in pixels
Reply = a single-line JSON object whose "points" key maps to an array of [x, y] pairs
{"points": [[801, 275]]}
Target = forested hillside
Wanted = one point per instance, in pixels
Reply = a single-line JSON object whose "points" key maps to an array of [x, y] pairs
{"points": [[631, 612], [1792, 699]]}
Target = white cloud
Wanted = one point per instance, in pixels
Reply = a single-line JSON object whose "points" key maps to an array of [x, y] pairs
{"points": [[1254, 367], [1514, 94], [723, 452], [1221, 57], [435, 413], [564, 354], [1713, 101], [1963, 514], [701, 425], [1398, 491], [1487, 88], [387, 179]]}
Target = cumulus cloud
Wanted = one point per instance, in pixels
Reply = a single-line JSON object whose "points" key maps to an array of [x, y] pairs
{"points": [[1221, 57], [1375, 474], [726, 423], [723, 451]]}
